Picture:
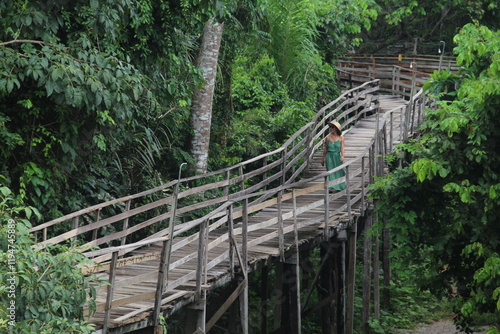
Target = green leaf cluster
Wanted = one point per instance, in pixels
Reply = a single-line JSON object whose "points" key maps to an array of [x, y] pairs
{"points": [[43, 290]]}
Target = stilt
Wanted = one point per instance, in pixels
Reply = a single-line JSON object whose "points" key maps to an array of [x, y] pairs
{"points": [[351, 278], [386, 265], [367, 272], [278, 295], [290, 317], [264, 297], [195, 316], [325, 290], [243, 302]]}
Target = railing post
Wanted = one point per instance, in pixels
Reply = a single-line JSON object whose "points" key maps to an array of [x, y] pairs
{"points": [[327, 208], [283, 167], [98, 218], [244, 232], [309, 147], [244, 269], [363, 187], [125, 223], [201, 276], [75, 226], [231, 236], [242, 182], [264, 175], [297, 265], [160, 284], [393, 83], [281, 237], [171, 227], [109, 295], [226, 187], [371, 164], [348, 192], [391, 130]]}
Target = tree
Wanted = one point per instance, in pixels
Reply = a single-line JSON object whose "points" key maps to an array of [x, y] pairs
{"points": [[443, 207], [201, 118]]}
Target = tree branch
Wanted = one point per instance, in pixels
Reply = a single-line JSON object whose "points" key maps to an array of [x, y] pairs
{"points": [[21, 41]]}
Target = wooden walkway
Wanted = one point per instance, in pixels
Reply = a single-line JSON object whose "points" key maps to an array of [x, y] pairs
{"points": [[262, 236], [205, 231]]}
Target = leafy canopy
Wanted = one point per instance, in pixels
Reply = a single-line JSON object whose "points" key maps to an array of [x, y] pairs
{"points": [[444, 206]]}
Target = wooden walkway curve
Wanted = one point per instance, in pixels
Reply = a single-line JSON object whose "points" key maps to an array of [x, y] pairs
{"points": [[228, 223]]}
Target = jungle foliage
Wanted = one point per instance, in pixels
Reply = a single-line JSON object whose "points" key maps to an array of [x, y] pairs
{"points": [[443, 208], [42, 291]]}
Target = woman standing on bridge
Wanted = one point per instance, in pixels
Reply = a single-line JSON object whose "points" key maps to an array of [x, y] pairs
{"points": [[333, 154]]}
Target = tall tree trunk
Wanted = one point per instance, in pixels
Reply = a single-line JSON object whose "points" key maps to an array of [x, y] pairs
{"points": [[201, 110]]}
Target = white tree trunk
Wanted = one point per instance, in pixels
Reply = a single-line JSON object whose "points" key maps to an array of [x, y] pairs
{"points": [[201, 110]]}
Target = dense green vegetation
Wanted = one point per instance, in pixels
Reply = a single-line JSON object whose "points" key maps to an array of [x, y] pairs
{"points": [[96, 98], [53, 292], [443, 208]]}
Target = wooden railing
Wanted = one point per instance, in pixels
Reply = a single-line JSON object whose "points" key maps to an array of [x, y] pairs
{"points": [[398, 75], [186, 210]]}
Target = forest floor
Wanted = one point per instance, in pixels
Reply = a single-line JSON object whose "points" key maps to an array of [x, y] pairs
{"points": [[443, 326]]}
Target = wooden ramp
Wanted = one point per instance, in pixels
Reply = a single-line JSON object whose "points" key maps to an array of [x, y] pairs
{"points": [[301, 207]]}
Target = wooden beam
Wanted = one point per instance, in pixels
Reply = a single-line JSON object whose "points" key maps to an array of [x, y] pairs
{"points": [[226, 305]]}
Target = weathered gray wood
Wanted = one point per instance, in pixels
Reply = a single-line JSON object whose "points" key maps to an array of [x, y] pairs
{"points": [[226, 305], [162, 273], [109, 296], [367, 250]]}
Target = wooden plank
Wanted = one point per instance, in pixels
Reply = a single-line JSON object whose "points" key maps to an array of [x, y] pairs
{"points": [[166, 300]]}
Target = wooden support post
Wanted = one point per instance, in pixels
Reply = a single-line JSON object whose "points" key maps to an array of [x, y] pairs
{"points": [[297, 265], [226, 187], [325, 289], [160, 284], [327, 208], [391, 132], [341, 289], [264, 175], [264, 296], [75, 226], [363, 186], [244, 269], [348, 193], [309, 145], [244, 306], [376, 278], [283, 167], [278, 291], [386, 265], [199, 306], [289, 311], [125, 223], [109, 295], [351, 279], [281, 237], [231, 236], [98, 218], [367, 273], [401, 124]]}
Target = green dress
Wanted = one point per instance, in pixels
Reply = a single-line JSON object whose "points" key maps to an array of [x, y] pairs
{"points": [[332, 160]]}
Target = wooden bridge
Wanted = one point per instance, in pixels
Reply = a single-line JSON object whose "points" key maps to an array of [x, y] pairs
{"points": [[211, 231]]}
